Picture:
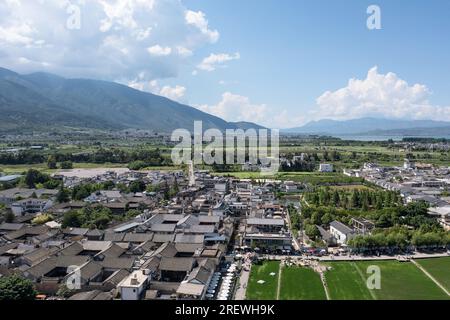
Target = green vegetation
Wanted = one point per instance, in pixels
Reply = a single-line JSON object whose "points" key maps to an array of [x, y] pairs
{"points": [[16, 288], [42, 218], [345, 282], [300, 283], [403, 281], [88, 217], [397, 226], [399, 281], [268, 289], [35, 179], [439, 268]]}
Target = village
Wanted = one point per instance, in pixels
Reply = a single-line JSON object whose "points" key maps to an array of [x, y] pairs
{"points": [[176, 246]]}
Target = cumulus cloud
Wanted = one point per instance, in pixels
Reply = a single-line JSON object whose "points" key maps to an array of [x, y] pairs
{"points": [[379, 95], [174, 93], [157, 50], [234, 107], [213, 61], [198, 20], [117, 39]]}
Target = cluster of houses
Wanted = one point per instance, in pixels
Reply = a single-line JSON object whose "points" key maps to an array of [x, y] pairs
{"points": [[170, 251], [415, 182]]}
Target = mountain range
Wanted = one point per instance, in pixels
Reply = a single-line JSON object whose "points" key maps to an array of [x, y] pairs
{"points": [[39, 101], [43, 101], [373, 126]]}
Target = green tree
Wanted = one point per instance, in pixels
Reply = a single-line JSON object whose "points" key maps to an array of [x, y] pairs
{"points": [[9, 216], [63, 195], [72, 218], [66, 165], [312, 232], [16, 288], [51, 162]]}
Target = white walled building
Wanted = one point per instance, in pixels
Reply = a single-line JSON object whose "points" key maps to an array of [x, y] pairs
{"points": [[325, 167], [341, 232], [133, 286]]}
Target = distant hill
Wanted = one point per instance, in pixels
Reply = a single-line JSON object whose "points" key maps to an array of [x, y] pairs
{"points": [[40, 101], [367, 126]]}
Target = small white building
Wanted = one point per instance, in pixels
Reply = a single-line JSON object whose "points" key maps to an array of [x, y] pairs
{"points": [[133, 286], [325, 167], [341, 232]]}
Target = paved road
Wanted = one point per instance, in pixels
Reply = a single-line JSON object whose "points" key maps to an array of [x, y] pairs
{"points": [[356, 257], [243, 281], [382, 257]]}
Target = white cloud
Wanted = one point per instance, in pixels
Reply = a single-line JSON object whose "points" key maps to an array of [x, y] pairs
{"points": [[184, 52], [174, 93], [213, 61], [198, 20], [157, 50], [112, 43], [235, 107], [379, 95]]}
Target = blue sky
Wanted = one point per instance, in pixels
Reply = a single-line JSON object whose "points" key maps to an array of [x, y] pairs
{"points": [[272, 61]]}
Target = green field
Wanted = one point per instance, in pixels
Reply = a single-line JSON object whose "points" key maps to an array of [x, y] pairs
{"points": [[298, 283], [268, 289], [439, 268], [347, 281], [399, 281]]}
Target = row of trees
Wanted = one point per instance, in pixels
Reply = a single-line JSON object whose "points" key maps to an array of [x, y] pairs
{"points": [[53, 164], [353, 199], [151, 157], [400, 238]]}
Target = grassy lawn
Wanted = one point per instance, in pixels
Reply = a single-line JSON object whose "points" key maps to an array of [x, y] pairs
{"points": [[439, 268], [403, 281], [268, 289], [346, 283], [299, 283], [399, 281]]}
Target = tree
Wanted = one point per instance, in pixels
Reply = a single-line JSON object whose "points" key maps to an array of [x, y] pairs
{"points": [[51, 162], [66, 165], [41, 219], [63, 195], [137, 186], [336, 198], [64, 292], [9, 217], [16, 288], [72, 219], [312, 232]]}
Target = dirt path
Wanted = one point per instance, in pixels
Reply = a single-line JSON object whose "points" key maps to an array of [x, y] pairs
{"points": [[430, 276]]}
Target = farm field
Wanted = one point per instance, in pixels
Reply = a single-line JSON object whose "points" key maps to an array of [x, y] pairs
{"points": [[298, 283], [268, 289], [346, 280], [346, 283], [399, 281], [439, 268]]}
